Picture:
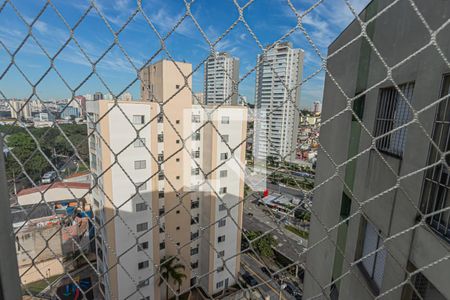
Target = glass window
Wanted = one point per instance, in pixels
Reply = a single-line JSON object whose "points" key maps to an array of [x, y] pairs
{"points": [[141, 206], [225, 120], [141, 227], [373, 264], [143, 265], [139, 164], [138, 119], [140, 142], [223, 173]]}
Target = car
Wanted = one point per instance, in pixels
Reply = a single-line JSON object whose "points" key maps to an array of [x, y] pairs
{"points": [[267, 271], [249, 279], [292, 289], [49, 177]]}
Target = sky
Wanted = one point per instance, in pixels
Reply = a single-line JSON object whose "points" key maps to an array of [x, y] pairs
{"points": [[213, 23]]}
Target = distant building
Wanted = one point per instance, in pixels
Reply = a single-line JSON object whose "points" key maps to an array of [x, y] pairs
{"points": [[279, 70], [20, 110], [89, 97], [317, 107], [68, 112], [126, 97], [221, 78], [98, 96]]}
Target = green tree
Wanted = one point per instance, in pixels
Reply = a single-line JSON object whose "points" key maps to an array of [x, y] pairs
{"points": [[262, 244], [170, 270], [24, 148]]}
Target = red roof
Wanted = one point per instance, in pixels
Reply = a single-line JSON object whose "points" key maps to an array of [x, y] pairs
{"points": [[55, 185]]}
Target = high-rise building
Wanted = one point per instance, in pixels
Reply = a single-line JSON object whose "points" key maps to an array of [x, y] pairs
{"points": [[383, 229], [221, 78], [277, 96], [98, 96], [154, 202], [20, 109], [317, 107]]}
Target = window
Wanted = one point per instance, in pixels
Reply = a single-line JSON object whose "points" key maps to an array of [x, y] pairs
{"points": [[178, 177], [177, 121], [177, 159], [160, 118], [143, 265], [177, 86], [142, 186], [221, 254], [194, 265], [222, 222], [194, 235], [161, 228], [177, 212], [223, 156], [194, 251], [373, 265], [139, 164], [143, 283], [138, 119], [223, 173], [223, 190], [392, 112], [195, 204], [219, 284], [162, 245], [226, 283], [160, 138], [161, 211], [225, 120], [140, 142], [195, 118], [220, 269], [196, 136], [222, 207], [161, 175], [195, 171], [161, 157], [178, 228], [141, 227], [161, 194], [142, 246], [193, 281], [225, 138], [141, 206], [177, 141], [436, 185], [196, 154], [221, 239]]}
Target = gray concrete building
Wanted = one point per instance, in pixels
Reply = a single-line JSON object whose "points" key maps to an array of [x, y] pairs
{"points": [[380, 225]]}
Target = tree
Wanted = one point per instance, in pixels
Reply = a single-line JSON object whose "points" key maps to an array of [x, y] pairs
{"points": [[170, 270], [262, 244]]}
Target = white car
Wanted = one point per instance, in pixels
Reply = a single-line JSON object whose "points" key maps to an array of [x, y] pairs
{"points": [[49, 177]]}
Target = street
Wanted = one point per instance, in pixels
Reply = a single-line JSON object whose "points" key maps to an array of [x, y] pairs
{"points": [[270, 287]]}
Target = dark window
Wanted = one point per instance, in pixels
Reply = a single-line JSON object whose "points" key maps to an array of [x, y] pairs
{"points": [[436, 186], [142, 246], [393, 112], [143, 265], [221, 239]]}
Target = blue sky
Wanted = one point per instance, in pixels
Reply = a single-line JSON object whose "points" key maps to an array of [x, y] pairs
{"points": [[268, 20]]}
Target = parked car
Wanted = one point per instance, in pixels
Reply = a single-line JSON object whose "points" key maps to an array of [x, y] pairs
{"points": [[49, 177], [292, 289], [249, 279]]}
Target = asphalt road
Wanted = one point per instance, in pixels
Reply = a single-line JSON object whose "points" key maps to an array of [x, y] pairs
{"points": [[291, 248], [267, 286]]}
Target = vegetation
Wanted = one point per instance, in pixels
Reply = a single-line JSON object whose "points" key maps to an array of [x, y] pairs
{"points": [[302, 215], [262, 244], [170, 270], [54, 145], [38, 286], [300, 233], [289, 180]]}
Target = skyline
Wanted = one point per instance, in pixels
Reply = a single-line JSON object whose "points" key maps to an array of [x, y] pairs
{"points": [[140, 42]]}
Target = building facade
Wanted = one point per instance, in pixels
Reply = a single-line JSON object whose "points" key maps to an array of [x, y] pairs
{"points": [[277, 96], [221, 78], [382, 226], [157, 203], [20, 109]]}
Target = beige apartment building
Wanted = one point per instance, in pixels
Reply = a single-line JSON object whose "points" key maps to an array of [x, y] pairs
{"points": [[168, 185], [391, 200]]}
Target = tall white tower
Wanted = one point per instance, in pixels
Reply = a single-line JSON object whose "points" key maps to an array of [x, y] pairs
{"points": [[277, 97], [221, 76]]}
